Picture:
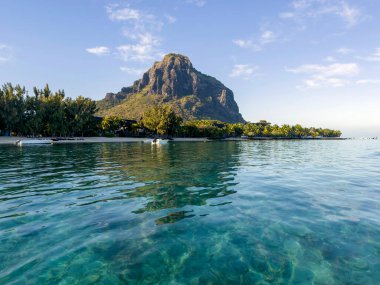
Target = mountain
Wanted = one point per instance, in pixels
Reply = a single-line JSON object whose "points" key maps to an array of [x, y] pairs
{"points": [[174, 81]]}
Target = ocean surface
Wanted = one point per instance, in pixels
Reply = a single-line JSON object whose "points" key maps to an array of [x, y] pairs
{"points": [[256, 212]]}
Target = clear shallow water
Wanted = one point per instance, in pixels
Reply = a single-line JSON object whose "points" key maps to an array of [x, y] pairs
{"points": [[271, 212]]}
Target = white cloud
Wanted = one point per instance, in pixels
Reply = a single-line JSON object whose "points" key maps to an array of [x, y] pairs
{"points": [[247, 44], [336, 69], [242, 43], [137, 21], [140, 29], [287, 15], [148, 39], [374, 56], [305, 9], [265, 38], [145, 48], [122, 14], [349, 14], [101, 50], [367, 81], [329, 59], [318, 82], [170, 19], [137, 52], [5, 53], [301, 4], [344, 50], [199, 3], [332, 75], [243, 70], [132, 71]]}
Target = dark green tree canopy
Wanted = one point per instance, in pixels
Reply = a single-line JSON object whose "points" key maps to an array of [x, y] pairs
{"points": [[46, 113], [161, 120]]}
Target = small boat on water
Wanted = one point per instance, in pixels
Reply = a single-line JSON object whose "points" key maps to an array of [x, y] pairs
{"points": [[33, 142], [159, 141]]}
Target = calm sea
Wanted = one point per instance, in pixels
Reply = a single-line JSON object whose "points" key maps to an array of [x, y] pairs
{"points": [[258, 212]]}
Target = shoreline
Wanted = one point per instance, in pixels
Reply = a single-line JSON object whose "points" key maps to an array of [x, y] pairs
{"points": [[12, 140], [76, 140]]}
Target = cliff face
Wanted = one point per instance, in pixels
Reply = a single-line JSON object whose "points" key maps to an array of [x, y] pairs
{"points": [[174, 81]]}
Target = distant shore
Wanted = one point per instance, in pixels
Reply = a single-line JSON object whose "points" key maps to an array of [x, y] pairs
{"points": [[280, 138], [12, 140]]}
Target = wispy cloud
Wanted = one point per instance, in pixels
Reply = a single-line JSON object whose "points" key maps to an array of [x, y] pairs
{"points": [[243, 70], [247, 44], [140, 29], [5, 53], [332, 75], [145, 48], [101, 50], [199, 3], [336, 69], [344, 50], [375, 56], [133, 71], [367, 81], [329, 59], [170, 19], [135, 21], [266, 37], [287, 15], [122, 14], [350, 15], [304, 9]]}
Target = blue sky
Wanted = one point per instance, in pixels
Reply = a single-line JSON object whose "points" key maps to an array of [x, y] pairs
{"points": [[314, 62]]}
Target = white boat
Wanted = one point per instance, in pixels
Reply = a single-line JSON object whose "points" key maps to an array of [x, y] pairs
{"points": [[148, 141], [159, 141], [32, 142]]}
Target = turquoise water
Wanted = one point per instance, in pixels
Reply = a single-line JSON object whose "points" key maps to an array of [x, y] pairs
{"points": [[270, 212]]}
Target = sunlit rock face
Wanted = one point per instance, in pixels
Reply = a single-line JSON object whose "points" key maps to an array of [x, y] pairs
{"points": [[176, 82]]}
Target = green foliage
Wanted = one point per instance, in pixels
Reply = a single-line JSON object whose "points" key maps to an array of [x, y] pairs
{"points": [[111, 124], [162, 120], [286, 131], [206, 128], [252, 130], [217, 129], [11, 107], [49, 113], [46, 113], [79, 113]]}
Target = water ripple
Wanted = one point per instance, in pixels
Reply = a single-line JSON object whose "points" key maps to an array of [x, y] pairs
{"points": [[282, 212]]}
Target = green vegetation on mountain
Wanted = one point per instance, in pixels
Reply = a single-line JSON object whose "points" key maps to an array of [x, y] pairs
{"points": [[175, 83], [51, 114]]}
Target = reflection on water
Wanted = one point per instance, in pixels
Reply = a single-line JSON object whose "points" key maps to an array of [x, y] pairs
{"points": [[275, 212], [171, 176]]}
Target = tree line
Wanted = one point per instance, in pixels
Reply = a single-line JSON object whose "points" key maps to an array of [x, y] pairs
{"points": [[163, 120], [45, 113], [212, 128]]}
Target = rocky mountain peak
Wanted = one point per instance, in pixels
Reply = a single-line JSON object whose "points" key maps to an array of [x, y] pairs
{"points": [[175, 79]]}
